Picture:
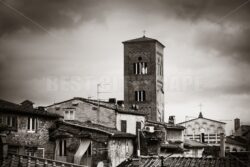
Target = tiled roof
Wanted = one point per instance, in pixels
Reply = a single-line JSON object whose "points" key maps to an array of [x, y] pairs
{"points": [[167, 125], [97, 127], [234, 141], [104, 104], [142, 39], [183, 162], [202, 118], [193, 144], [9, 107]]}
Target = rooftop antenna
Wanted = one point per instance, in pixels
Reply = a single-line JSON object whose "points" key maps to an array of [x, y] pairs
{"points": [[200, 105], [144, 33]]}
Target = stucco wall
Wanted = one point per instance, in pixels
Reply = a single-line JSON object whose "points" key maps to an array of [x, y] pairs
{"points": [[131, 122], [234, 148], [211, 129], [194, 152], [86, 112], [119, 150]]}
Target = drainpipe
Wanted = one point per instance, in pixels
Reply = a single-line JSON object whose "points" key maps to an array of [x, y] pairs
{"points": [[162, 161]]}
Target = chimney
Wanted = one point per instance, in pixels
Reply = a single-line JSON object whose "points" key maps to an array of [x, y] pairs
{"points": [[236, 124], [41, 108], [120, 103], [112, 100], [27, 104], [222, 145], [171, 119]]}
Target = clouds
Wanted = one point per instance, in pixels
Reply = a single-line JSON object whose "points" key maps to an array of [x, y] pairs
{"points": [[71, 13], [207, 48], [47, 14]]}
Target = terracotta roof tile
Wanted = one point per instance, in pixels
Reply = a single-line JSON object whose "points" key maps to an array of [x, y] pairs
{"points": [[183, 162], [142, 39], [9, 107]]}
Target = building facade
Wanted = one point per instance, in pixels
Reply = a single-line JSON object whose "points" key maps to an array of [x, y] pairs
{"points": [[104, 113], [90, 144], [27, 129], [204, 130], [144, 77]]}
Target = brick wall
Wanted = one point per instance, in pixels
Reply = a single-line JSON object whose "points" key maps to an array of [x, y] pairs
{"points": [[119, 150], [154, 104]]}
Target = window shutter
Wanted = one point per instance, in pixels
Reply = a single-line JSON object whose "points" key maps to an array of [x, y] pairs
{"points": [[14, 122], [123, 126], [135, 95], [33, 123], [28, 123], [60, 147], [65, 148], [36, 124], [140, 96], [144, 95], [8, 120], [134, 68]]}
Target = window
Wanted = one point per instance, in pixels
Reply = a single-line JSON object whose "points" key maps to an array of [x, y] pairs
{"points": [[227, 149], [11, 121], [40, 152], [123, 125], [69, 115], [160, 67], [141, 68], [62, 147], [138, 126], [202, 138], [140, 95], [32, 124]]}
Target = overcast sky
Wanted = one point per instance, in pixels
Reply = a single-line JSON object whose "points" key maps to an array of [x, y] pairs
{"points": [[53, 50]]}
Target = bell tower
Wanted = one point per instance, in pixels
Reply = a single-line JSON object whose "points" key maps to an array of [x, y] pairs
{"points": [[143, 77]]}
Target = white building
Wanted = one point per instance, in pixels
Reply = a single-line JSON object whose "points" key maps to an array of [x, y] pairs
{"points": [[204, 130]]}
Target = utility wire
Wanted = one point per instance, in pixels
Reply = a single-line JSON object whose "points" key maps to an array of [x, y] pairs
{"points": [[233, 11], [26, 17]]}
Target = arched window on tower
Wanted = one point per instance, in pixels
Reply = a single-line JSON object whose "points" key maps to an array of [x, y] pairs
{"points": [[140, 95], [140, 68]]}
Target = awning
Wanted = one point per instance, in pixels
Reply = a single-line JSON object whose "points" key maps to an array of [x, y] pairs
{"points": [[84, 145]]}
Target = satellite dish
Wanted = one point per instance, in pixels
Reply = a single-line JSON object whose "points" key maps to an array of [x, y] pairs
{"points": [[100, 164]]}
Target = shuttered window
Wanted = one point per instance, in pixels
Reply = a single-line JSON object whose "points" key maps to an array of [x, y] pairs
{"points": [[32, 124], [123, 125], [62, 147]]}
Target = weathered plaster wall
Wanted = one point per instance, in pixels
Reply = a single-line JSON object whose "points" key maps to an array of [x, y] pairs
{"points": [[234, 148], [119, 150], [211, 129], [131, 122], [86, 112], [194, 152]]}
